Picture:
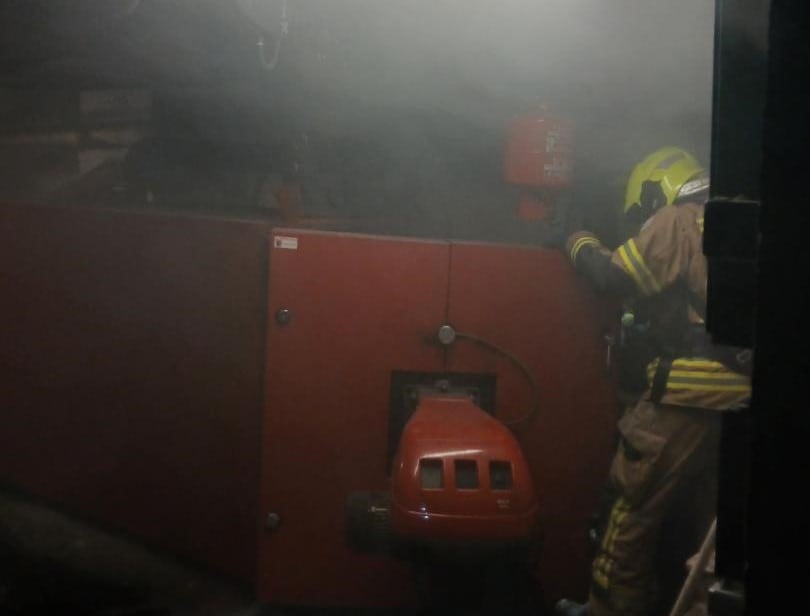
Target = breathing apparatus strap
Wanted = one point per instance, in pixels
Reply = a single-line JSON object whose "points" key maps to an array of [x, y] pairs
{"points": [[659, 382]]}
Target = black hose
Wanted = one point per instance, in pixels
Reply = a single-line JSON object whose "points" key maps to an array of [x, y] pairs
{"points": [[535, 405]]}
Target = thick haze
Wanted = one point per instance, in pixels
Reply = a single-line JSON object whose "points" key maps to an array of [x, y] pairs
{"points": [[403, 103], [621, 67], [634, 74]]}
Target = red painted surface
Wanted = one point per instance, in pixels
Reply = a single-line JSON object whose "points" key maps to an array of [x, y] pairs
{"points": [[131, 351], [361, 307], [365, 306], [530, 303], [145, 384], [446, 431]]}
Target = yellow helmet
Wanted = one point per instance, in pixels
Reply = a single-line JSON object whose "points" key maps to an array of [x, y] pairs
{"points": [[663, 177]]}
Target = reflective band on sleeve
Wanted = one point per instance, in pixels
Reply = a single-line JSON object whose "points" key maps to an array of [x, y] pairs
{"points": [[634, 253], [632, 268], [700, 224], [588, 240]]}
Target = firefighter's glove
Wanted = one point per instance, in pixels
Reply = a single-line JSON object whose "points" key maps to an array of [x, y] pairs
{"points": [[580, 242]]}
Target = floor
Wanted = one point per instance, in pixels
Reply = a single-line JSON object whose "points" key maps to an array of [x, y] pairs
{"points": [[51, 563]]}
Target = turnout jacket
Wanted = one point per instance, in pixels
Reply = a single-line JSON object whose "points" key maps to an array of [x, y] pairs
{"points": [[662, 271]]}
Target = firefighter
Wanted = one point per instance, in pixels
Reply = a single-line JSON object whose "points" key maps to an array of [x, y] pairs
{"points": [[669, 438]]}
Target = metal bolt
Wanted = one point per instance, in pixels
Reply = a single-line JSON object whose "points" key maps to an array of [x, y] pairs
{"points": [[273, 521], [447, 335], [283, 317]]}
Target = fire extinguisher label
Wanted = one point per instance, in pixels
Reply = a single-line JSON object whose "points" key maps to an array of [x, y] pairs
{"points": [[285, 242]]}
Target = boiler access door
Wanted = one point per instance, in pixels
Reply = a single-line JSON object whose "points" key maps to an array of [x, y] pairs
{"points": [[344, 312]]}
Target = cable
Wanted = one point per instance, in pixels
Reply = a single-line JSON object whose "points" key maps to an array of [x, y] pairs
{"points": [[530, 414], [273, 62], [270, 64]]}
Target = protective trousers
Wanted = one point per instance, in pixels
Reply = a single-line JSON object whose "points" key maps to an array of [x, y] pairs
{"points": [[665, 452]]}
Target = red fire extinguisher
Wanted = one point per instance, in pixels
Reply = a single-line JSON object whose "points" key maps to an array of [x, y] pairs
{"points": [[538, 159]]}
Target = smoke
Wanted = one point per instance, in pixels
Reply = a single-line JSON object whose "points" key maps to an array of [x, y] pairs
{"points": [[633, 74], [403, 105], [648, 58]]}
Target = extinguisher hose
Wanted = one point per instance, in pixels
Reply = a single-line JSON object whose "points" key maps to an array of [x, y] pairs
{"points": [[270, 63], [524, 369]]}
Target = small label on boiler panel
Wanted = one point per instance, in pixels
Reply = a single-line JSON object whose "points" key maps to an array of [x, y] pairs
{"points": [[285, 242]]}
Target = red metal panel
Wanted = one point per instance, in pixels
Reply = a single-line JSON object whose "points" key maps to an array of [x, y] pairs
{"points": [[530, 302], [131, 355], [360, 307]]}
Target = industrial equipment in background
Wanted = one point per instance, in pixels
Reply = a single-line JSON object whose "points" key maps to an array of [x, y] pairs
{"points": [[110, 122]]}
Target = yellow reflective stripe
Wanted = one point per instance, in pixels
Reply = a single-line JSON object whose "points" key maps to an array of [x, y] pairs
{"points": [[707, 387], [697, 374], [601, 579], [700, 224], [581, 243], [651, 368], [643, 266], [619, 513], [709, 364], [617, 516], [705, 366], [631, 269], [701, 375], [601, 565]]}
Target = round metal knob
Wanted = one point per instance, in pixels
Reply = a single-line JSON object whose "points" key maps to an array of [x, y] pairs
{"points": [[447, 335], [283, 317], [272, 521]]}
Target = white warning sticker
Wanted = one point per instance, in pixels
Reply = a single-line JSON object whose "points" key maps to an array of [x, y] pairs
{"points": [[285, 242]]}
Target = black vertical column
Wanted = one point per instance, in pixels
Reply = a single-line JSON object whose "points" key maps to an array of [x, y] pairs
{"points": [[779, 511], [740, 77]]}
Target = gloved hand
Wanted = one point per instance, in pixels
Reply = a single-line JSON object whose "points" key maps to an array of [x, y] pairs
{"points": [[577, 241]]}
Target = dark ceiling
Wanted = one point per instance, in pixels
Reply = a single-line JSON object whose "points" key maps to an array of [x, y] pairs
{"points": [[91, 43], [426, 86]]}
